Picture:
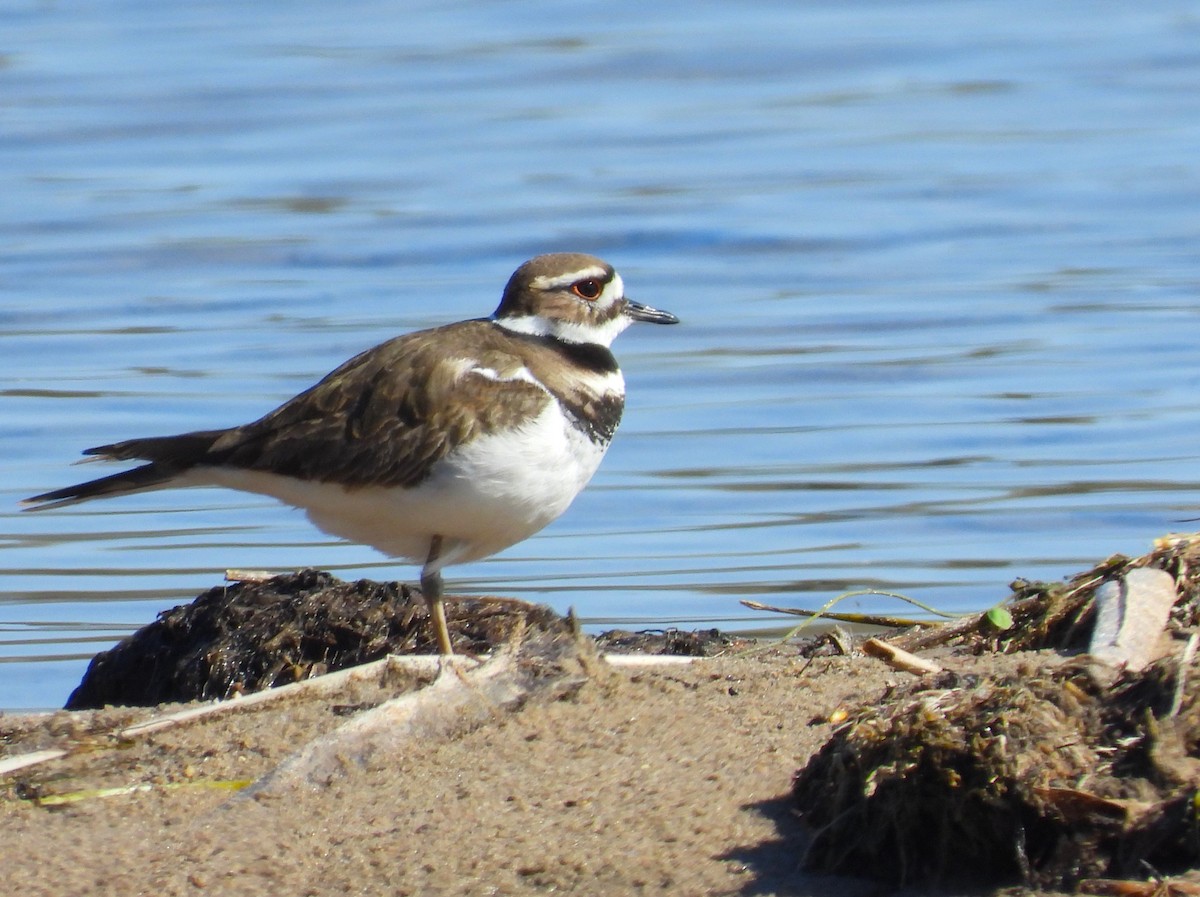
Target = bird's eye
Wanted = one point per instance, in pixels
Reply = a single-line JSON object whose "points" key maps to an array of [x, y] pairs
{"points": [[587, 289]]}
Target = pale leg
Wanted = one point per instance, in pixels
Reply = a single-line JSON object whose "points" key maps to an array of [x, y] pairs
{"points": [[431, 588]]}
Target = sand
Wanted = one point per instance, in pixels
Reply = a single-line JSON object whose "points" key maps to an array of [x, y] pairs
{"points": [[673, 780]]}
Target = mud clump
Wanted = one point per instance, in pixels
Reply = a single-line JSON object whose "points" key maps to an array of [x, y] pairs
{"points": [[253, 635]]}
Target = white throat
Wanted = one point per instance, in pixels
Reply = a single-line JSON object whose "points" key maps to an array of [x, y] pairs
{"points": [[601, 334]]}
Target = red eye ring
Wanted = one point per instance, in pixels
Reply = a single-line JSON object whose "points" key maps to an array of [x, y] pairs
{"points": [[587, 289]]}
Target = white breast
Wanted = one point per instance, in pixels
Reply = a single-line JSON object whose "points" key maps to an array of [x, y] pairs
{"points": [[482, 498]]}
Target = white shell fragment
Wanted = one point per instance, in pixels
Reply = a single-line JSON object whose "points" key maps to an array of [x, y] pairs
{"points": [[1131, 614]]}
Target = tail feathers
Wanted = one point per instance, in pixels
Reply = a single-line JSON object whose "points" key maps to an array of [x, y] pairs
{"points": [[180, 451], [148, 476], [168, 456]]}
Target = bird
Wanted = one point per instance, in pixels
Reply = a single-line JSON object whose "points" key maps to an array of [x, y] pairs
{"points": [[440, 446]]}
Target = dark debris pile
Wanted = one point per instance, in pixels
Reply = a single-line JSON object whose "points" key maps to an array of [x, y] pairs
{"points": [[248, 636], [1049, 777], [700, 643]]}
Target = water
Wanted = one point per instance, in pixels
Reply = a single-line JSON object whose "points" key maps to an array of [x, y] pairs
{"points": [[937, 270]]}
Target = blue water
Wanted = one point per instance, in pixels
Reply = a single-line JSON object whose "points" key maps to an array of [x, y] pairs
{"points": [[937, 265]]}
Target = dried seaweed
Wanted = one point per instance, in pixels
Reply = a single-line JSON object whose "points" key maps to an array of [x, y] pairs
{"points": [[250, 635], [1049, 777]]}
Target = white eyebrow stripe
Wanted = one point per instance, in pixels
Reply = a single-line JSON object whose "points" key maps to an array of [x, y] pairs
{"points": [[546, 282]]}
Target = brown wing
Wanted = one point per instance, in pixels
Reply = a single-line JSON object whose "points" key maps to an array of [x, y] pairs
{"points": [[387, 415]]}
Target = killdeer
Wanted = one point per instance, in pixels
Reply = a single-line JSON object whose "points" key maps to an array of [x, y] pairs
{"points": [[441, 446]]}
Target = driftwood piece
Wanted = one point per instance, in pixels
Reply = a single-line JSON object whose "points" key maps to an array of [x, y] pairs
{"points": [[541, 667]]}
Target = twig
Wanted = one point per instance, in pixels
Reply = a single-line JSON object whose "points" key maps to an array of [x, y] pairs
{"points": [[71, 797], [249, 575], [941, 632], [863, 619], [898, 658], [20, 761], [648, 660], [426, 664]]}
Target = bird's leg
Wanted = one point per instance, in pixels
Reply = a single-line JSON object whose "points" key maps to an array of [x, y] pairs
{"points": [[431, 588]]}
